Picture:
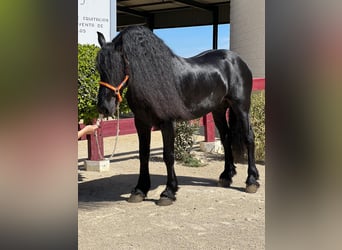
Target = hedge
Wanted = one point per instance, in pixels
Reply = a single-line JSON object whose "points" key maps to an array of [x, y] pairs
{"points": [[257, 116], [88, 79]]}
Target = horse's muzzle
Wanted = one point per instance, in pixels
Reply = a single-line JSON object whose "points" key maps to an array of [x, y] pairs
{"points": [[104, 110]]}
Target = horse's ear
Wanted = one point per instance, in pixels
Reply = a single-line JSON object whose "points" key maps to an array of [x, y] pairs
{"points": [[101, 39]]}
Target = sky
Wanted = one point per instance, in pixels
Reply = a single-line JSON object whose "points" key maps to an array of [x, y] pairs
{"points": [[187, 42]]}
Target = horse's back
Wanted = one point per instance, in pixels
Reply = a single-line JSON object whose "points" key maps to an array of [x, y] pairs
{"points": [[215, 53], [227, 61], [234, 72]]}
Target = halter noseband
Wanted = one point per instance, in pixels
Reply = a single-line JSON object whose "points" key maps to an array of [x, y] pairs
{"points": [[116, 89]]}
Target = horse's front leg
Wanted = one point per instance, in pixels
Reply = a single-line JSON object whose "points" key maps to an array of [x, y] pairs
{"points": [[144, 183], [169, 194]]}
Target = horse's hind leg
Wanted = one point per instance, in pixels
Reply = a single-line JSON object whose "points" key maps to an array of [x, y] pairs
{"points": [[242, 113], [144, 183], [169, 194], [220, 120]]}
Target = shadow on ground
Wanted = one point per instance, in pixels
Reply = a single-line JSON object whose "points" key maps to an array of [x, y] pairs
{"points": [[113, 188]]}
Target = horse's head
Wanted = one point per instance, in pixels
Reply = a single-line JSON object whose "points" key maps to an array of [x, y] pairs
{"points": [[112, 76]]}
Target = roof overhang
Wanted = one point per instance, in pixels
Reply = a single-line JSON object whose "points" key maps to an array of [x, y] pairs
{"points": [[169, 14]]}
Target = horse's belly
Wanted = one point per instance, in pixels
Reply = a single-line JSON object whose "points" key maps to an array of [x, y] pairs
{"points": [[203, 93], [206, 105]]}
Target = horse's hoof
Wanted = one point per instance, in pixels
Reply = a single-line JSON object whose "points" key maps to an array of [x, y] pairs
{"points": [[164, 201], [252, 188], [136, 196], [224, 183]]}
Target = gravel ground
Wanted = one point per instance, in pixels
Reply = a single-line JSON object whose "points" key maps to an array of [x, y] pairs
{"points": [[204, 216]]}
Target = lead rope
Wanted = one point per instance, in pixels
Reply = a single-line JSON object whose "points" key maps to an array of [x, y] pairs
{"points": [[117, 130], [98, 121]]}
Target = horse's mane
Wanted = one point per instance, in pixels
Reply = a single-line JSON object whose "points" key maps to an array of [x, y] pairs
{"points": [[153, 83]]}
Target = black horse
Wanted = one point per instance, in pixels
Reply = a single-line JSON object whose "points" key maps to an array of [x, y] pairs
{"points": [[164, 88]]}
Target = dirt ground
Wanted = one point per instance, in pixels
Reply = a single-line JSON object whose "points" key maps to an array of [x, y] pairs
{"points": [[204, 216]]}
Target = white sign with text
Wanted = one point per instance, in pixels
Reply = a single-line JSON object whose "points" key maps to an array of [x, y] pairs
{"points": [[93, 16]]}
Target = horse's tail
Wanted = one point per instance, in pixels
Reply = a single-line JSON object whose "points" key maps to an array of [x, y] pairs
{"points": [[237, 140]]}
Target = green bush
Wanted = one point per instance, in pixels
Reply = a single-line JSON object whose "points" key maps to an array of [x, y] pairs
{"points": [[184, 142], [257, 116], [88, 79], [88, 85], [184, 139]]}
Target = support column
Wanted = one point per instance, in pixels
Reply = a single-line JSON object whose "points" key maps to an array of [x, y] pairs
{"points": [[93, 152], [95, 161], [247, 33], [215, 27], [150, 22]]}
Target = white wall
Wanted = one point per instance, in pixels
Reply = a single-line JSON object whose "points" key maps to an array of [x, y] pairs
{"points": [[247, 33]]}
